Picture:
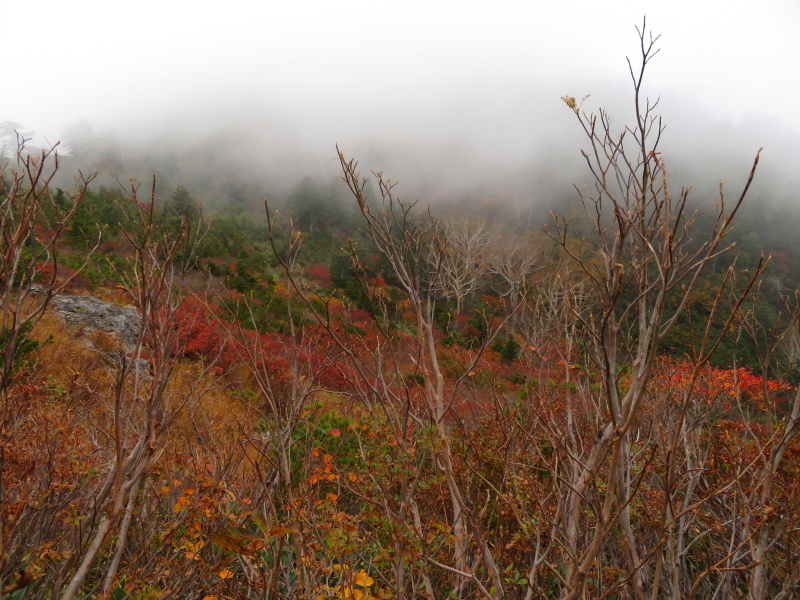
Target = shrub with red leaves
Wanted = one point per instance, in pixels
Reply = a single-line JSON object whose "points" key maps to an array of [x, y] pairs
{"points": [[319, 273]]}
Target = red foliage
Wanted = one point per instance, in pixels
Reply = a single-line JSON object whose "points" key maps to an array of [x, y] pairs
{"points": [[377, 282], [472, 331], [329, 373], [714, 386], [270, 352], [45, 271], [359, 317], [113, 247], [44, 236], [319, 273], [199, 336]]}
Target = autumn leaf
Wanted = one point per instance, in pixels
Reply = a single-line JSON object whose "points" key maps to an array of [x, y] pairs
{"points": [[194, 547], [258, 519], [279, 530], [225, 573], [238, 540], [363, 579], [335, 432]]}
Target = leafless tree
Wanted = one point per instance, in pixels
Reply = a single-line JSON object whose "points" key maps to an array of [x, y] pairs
{"points": [[143, 403], [512, 260], [407, 384], [644, 255], [764, 523], [464, 261], [32, 223]]}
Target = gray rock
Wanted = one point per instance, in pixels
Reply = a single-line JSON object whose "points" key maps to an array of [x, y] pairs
{"points": [[93, 313]]}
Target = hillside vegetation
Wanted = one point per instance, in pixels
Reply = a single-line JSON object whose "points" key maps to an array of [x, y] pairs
{"points": [[358, 399]]}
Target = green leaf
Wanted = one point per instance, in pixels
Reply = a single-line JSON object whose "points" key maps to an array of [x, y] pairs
{"points": [[258, 519]]}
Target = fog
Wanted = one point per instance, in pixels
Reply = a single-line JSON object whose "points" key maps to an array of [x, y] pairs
{"points": [[454, 100]]}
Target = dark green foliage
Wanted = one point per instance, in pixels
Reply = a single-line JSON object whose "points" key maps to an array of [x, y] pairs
{"points": [[99, 211], [214, 269], [61, 200], [508, 348], [242, 279], [231, 233], [261, 309], [24, 347], [248, 275], [103, 267], [319, 208], [345, 277], [342, 270], [444, 315], [328, 432], [415, 378], [472, 335], [180, 210]]}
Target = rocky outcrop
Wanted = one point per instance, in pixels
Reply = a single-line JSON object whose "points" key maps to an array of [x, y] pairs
{"points": [[92, 313]]}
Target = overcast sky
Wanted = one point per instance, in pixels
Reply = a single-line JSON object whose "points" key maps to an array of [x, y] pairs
{"points": [[480, 75]]}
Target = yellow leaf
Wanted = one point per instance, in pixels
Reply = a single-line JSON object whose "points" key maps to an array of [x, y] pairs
{"points": [[331, 497], [195, 546], [363, 579], [225, 573]]}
